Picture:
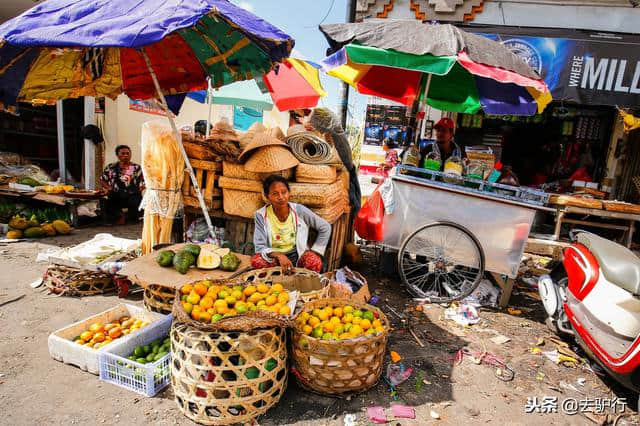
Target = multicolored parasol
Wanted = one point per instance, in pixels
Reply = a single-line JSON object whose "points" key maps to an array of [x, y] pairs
{"points": [[455, 70], [69, 48]]}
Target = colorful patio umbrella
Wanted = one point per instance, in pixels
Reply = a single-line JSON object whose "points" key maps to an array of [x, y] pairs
{"points": [[295, 84], [69, 48], [242, 93], [455, 70]]}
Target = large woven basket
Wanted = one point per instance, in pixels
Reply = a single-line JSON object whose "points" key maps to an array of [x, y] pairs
{"points": [[225, 378], [338, 367], [332, 212], [316, 195], [158, 298], [311, 285], [240, 184], [66, 281], [241, 203], [315, 173], [238, 171]]}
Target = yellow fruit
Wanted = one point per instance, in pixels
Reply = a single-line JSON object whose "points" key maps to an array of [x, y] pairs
{"points": [[365, 324], [356, 320], [222, 310], [343, 336], [249, 290], [271, 300], [317, 332], [196, 315], [323, 315], [138, 323], [188, 307], [369, 332], [338, 312], [263, 288], [125, 332], [339, 329], [110, 326], [254, 298], [96, 327], [329, 327], [334, 320], [316, 312], [212, 293], [379, 329], [307, 329], [89, 344], [347, 309], [200, 289], [305, 315], [79, 341], [237, 294], [283, 297], [277, 287], [99, 337], [347, 318], [314, 321], [86, 336], [114, 333], [211, 311], [220, 304], [186, 289], [376, 324], [232, 312], [261, 304], [193, 298], [205, 317], [328, 310], [144, 324], [206, 302], [285, 310]]}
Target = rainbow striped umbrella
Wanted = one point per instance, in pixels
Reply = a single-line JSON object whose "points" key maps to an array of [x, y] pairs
{"points": [[448, 68], [70, 48]]}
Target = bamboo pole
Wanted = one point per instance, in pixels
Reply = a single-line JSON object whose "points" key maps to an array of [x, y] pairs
{"points": [[187, 163]]}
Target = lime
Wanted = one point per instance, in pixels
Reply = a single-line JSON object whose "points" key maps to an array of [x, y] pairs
{"points": [[270, 364], [252, 373], [368, 315], [138, 352], [147, 349], [150, 357], [327, 336], [358, 313], [131, 358], [317, 332], [216, 318], [141, 360]]}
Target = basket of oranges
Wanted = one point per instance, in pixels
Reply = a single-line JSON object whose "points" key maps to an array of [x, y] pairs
{"points": [[338, 346], [233, 305], [309, 284]]}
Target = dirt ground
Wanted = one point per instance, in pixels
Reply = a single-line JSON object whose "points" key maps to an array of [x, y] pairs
{"points": [[35, 389]]}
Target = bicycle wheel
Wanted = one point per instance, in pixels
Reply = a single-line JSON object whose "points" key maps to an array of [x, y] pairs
{"points": [[441, 261]]}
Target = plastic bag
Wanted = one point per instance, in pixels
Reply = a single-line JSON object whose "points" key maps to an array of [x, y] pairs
{"points": [[386, 192], [369, 220]]}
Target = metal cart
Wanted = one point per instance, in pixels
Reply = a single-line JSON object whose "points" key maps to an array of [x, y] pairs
{"points": [[449, 230]]}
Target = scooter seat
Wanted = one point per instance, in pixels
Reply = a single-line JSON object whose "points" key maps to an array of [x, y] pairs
{"points": [[618, 264]]}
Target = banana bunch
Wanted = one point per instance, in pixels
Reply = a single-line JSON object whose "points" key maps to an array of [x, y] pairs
{"points": [[630, 122]]}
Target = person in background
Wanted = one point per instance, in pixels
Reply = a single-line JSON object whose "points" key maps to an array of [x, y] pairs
{"points": [[123, 184], [282, 231], [390, 158], [297, 116], [445, 129]]}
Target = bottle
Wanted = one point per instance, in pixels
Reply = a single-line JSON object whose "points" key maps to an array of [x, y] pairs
{"points": [[495, 173]]}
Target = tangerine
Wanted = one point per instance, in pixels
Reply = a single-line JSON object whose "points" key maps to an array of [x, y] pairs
{"points": [[200, 289], [116, 332], [249, 290], [263, 288], [271, 300], [99, 337], [186, 289], [307, 329], [96, 327], [277, 287], [206, 302], [283, 297], [338, 312], [285, 310]]}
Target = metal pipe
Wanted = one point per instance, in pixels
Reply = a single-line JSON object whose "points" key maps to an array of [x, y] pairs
{"points": [[89, 146], [61, 155], [343, 91]]}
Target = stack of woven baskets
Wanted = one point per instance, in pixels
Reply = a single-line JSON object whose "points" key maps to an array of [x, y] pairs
{"points": [[317, 178]]}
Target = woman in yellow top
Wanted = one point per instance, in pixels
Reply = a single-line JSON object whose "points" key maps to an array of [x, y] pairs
{"points": [[282, 231]]}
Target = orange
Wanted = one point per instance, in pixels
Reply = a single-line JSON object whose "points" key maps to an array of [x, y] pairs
{"points": [[277, 287], [237, 294], [194, 298], [261, 303], [328, 310], [212, 293], [205, 317], [343, 336], [254, 298], [334, 320], [200, 289], [96, 327], [99, 337], [365, 324], [356, 320], [271, 300], [285, 310], [263, 288], [355, 330], [338, 312], [376, 324], [313, 322], [211, 311], [283, 297], [196, 315], [323, 315], [347, 318], [186, 289], [249, 290], [307, 329], [206, 302], [86, 336], [379, 329], [110, 326], [232, 312], [329, 327], [116, 332], [222, 309]]}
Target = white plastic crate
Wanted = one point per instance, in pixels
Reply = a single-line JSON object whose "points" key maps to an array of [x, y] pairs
{"points": [[146, 379], [62, 348]]}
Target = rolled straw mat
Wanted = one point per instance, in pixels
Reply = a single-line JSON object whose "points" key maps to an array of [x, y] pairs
{"points": [[310, 149]]}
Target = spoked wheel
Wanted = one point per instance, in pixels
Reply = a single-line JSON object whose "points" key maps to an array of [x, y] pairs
{"points": [[441, 261]]}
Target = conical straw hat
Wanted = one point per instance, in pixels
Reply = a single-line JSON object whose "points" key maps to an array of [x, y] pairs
{"points": [[246, 138], [271, 159], [260, 140]]}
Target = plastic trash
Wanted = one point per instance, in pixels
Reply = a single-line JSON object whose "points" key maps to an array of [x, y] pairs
{"points": [[395, 356], [403, 411], [463, 315], [376, 415], [397, 374], [350, 420]]}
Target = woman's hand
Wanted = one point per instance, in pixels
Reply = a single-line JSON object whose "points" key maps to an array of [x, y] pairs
{"points": [[284, 262]]}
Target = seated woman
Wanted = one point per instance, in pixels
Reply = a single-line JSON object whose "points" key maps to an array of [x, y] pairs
{"points": [[123, 184], [282, 231]]}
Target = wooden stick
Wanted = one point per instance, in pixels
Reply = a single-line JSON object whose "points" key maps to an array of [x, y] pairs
{"points": [[165, 107], [416, 337], [15, 299]]}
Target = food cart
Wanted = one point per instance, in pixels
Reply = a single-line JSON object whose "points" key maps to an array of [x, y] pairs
{"points": [[449, 230]]}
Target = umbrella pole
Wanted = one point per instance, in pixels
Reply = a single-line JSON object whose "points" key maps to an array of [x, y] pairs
{"points": [[187, 163], [210, 102], [424, 106]]}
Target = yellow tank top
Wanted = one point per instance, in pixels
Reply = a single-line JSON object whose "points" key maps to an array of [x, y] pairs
{"points": [[283, 234]]}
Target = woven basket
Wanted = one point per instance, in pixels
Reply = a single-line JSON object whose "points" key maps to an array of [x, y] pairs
{"points": [[209, 373], [158, 298], [316, 195], [251, 320], [332, 212], [200, 151], [66, 281], [241, 203], [338, 367], [310, 289], [240, 184], [315, 173], [271, 159], [237, 171]]}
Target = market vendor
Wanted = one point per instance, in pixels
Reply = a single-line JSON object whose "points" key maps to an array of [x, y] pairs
{"points": [[282, 231], [390, 157], [445, 129], [123, 184]]}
